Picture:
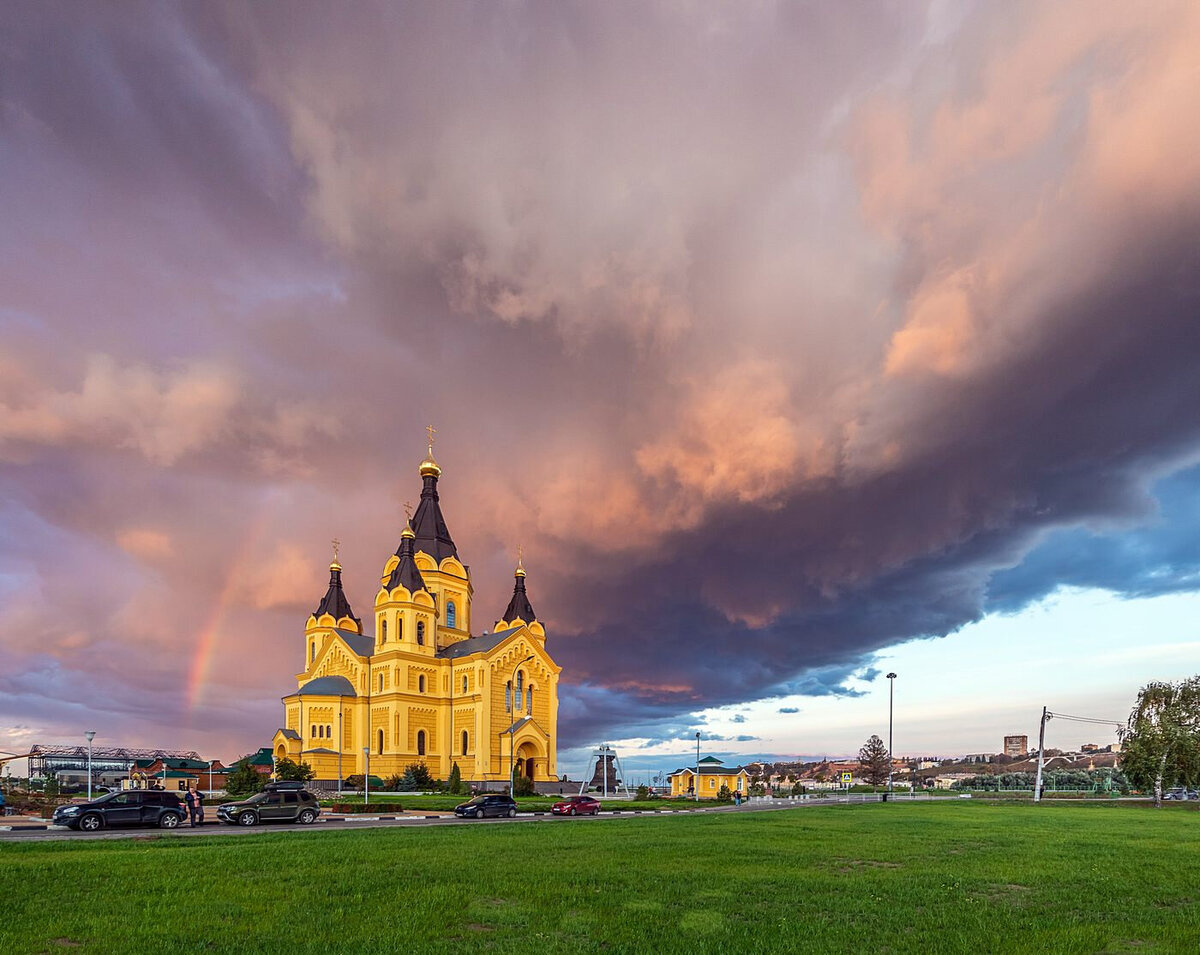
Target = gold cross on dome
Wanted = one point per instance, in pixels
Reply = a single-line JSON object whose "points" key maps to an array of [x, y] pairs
{"points": [[432, 431], [408, 510], [336, 544]]}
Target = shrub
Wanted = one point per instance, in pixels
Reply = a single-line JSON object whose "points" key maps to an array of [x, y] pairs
{"points": [[455, 783], [643, 792], [724, 794], [525, 787]]}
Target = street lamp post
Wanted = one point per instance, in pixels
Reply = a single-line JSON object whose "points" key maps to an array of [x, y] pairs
{"points": [[366, 775], [697, 766], [891, 691], [90, 734], [512, 728], [339, 745]]}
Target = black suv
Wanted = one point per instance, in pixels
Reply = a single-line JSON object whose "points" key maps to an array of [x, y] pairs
{"points": [[279, 802], [134, 807], [487, 804]]}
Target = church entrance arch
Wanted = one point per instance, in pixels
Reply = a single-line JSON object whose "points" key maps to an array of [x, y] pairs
{"points": [[528, 756]]}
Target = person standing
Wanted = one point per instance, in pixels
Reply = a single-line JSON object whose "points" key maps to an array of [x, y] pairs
{"points": [[190, 798]]}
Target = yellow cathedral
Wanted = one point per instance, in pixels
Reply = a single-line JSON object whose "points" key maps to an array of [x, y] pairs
{"points": [[423, 689]]}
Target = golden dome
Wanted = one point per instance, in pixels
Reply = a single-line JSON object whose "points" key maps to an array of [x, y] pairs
{"points": [[408, 531], [429, 467], [335, 565]]}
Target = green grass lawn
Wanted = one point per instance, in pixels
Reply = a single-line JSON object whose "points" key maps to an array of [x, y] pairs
{"points": [[900, 877]]}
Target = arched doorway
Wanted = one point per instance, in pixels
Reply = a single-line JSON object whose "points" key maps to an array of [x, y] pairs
{"points": [[527, 761]]}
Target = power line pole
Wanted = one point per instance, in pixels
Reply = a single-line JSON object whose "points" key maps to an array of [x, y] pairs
{"points": [[1037, 786]]}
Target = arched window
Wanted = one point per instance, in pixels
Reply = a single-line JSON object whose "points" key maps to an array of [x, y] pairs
{"points": [[420, 742], [464, 746], [314, 650], [381, 742], [508, 697], [420, 633], [383, 631], [520, 688], [381, 683], [421, 683], [328, 731], [529, 701], [451, 615], [464, 684], [399, 629], [314, 731]]}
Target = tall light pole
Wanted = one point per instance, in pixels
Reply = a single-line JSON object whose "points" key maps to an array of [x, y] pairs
{"points": [[339, 745], [697, 765], [891, 694], [512, 727], [91, 735], [366, 775]]}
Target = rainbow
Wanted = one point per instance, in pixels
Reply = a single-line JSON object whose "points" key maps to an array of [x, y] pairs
{"points": [[206, 640]]}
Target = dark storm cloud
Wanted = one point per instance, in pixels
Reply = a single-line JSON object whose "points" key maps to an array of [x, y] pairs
{"points": [[778, 334]]}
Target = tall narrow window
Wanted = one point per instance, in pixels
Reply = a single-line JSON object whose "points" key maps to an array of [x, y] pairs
{"points": [[420, 742], [529, 701], [314, 731], [464, 684], [399, 629], [520, 688], [383, 631], [381, 683], [451, 615], [421, 683], [464, 741], [381, 742], [420, 633], [328, 731], [314, 650], [508, 696]]}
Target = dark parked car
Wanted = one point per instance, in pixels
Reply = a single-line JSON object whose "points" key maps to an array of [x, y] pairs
{"points": [[135, 807], [487, 804], [576, 806], [279, 802]]}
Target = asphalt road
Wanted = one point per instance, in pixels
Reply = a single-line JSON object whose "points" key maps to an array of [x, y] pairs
{"points": [[13, 830]]}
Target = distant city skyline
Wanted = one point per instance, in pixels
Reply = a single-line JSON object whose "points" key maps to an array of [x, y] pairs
{"points": [[794, 344]]}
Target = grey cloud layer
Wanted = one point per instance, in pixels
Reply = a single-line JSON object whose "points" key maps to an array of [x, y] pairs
{"points": [[773, 332]]}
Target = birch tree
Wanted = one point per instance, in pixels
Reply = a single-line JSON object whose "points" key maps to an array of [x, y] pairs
{"points": [[1160, 744]]}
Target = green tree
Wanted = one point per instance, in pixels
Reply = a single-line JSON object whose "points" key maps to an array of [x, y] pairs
{"points": [[244, 780], [455, 784], [1160, 744], [524, 786], [288, 769], [724, 794], [875, 761], [51, 787], [643, 792], [416, 778]]}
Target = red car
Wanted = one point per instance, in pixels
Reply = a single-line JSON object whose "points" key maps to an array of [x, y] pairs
{"points": [[576, 806]]}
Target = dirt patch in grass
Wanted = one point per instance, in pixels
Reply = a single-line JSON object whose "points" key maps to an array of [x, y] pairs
{"points": [[846, 866]]}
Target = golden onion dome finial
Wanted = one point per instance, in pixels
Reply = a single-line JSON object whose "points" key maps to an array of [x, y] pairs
{"points": [[520, 571], [334, 565], [408, 531], [429, 467]]}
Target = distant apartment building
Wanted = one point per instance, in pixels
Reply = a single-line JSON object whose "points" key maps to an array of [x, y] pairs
{"points": [[1016, 745]]}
